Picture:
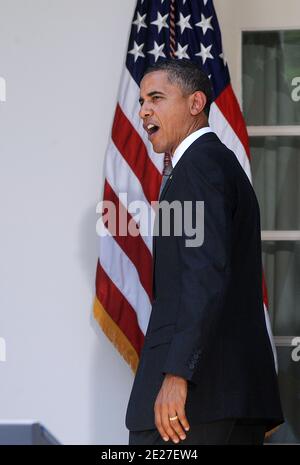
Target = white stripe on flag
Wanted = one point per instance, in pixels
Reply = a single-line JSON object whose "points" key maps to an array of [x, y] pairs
{"points": [[226, 134], [270, 334], [123, 180], [123, 274], [129, 94]]}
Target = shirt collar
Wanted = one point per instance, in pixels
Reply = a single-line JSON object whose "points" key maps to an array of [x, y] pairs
{"points": [[184, 145]]}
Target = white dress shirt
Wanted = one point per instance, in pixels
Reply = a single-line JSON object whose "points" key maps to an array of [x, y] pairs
{"points": [[184, 145]]}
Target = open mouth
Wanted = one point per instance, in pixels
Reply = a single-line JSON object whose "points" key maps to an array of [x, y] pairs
{"points": [[152, 129]]}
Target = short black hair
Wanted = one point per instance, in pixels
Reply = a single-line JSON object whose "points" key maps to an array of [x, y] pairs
{"points": [[187, 75]]}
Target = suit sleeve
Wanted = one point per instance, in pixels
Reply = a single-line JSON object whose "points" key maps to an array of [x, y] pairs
{"points": [[204, 271]]}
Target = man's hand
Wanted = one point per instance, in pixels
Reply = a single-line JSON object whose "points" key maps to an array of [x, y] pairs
{"points": [[170, 402]]}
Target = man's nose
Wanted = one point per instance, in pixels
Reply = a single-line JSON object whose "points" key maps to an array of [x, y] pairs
{"points": [[145, 110]]}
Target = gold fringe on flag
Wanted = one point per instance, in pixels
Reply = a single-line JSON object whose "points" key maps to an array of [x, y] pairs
{"points": [[115, 335]]}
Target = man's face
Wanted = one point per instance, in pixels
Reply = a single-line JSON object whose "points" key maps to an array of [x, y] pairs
{"points": [[165, 111]]}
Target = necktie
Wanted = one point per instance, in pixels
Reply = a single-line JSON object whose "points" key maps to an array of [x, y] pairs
{"points": [[166, 171]]}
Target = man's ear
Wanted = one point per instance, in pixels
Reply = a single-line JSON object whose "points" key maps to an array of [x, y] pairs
{"points": [[198, 103]]}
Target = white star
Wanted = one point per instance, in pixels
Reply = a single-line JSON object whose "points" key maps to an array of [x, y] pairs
{"points": [[205, 23], [161, 21], [140, 21], [184, 22], [222, 56], [205, 53], [157, 51], [137, 51], [181, 52]]}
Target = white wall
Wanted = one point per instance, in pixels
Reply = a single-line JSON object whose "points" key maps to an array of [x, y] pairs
{"points": [[62, 61]]}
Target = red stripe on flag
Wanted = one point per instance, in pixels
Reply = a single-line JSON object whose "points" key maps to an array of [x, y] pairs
{"points": [[132, 148], [133, 246], [229, 106], [118, 308], [265, 291]]}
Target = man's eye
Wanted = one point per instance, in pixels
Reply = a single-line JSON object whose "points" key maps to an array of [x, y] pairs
{"points": [[156, 97]]}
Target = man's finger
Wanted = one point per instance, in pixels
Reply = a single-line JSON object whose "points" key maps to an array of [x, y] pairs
{"points": [[175, 424], [158, 423], [182, 418], [165, 419]]}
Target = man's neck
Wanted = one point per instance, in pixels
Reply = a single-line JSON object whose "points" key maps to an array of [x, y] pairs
{"points": [[193, 128], [184, 145]]}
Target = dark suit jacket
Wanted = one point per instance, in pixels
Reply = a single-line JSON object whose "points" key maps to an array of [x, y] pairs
{"points": [[207, 322]]}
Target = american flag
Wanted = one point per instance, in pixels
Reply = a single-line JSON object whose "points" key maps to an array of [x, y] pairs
{"points": [[182, 29]]}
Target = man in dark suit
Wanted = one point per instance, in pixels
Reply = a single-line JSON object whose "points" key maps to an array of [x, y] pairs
{"points": [[206, 373]]}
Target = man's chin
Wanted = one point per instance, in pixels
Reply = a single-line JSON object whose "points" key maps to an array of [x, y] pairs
{"points": [[157, 148]]}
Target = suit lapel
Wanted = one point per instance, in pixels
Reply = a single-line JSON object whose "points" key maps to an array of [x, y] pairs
{"points": [[208, 137]]}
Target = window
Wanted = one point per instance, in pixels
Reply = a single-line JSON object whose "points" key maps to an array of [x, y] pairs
{"points": [[271, 74]]}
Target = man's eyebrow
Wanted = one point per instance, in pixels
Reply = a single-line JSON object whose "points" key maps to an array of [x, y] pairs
{"points": [[151, 94]]}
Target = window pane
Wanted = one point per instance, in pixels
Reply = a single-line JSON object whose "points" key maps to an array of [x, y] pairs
{"points": [[281, 261], [271, 60], [289, 384], [276, 175]]}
